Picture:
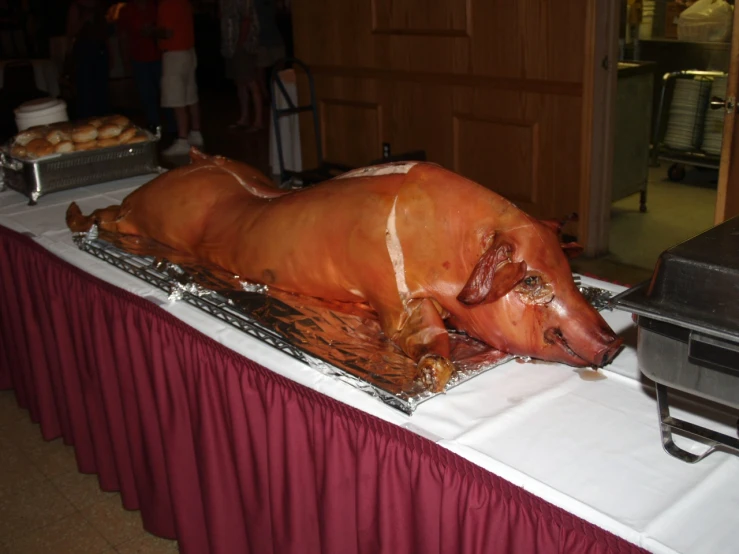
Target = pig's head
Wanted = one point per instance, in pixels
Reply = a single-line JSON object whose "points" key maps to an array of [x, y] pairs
{"points": [[521, 298]]}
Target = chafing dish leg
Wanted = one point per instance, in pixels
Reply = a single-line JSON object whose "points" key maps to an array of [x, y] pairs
{"points": [[713, 439]]}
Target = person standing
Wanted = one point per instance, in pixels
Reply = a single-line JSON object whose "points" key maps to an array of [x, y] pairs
{"points": [[176, 34], [239, 43], [258, 46], [142, 58]]}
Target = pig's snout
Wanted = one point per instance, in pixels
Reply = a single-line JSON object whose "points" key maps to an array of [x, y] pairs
{"points": [[605, 345], [609, 352], [585, 349]]}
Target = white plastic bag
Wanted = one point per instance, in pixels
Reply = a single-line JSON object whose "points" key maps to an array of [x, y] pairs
{"points": [[706, 21]]}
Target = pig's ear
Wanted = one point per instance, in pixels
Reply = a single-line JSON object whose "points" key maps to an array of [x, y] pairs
{"points": [[557, 224], [493, 276], [553, 224], [572, 249]]}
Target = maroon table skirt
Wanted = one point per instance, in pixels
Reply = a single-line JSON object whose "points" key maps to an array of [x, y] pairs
{"points": [[228, 457]]}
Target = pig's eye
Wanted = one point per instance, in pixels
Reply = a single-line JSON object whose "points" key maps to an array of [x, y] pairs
{"points": [[535, 290], [532, 281]]}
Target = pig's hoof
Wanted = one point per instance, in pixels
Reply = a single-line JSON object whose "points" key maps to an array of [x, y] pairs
{"points": [[434, 372]]}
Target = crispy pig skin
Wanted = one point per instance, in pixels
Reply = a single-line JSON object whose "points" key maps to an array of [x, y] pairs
{"points": [[424, 247]]}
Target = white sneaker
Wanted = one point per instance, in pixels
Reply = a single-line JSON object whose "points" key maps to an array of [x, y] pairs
{"points": [[180, 147], [195, 138]]}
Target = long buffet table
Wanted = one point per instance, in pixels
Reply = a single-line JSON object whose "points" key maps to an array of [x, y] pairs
{"points": [[229, 445]]}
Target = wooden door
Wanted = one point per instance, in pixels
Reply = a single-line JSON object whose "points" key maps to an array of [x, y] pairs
{"points": [[498, 90], [727, 199]]}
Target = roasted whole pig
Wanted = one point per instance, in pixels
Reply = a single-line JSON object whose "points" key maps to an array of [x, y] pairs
{"points": [[425, 248]]}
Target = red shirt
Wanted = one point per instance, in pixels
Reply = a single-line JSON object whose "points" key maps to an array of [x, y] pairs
{"points": [[176, 16], [131, 21]]}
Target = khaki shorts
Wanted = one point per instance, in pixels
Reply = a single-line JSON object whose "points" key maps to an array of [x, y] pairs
{"points": [[179, 88]]}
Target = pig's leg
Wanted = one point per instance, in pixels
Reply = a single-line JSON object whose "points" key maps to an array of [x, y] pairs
{"points": [[105, 218], [424, 338]]}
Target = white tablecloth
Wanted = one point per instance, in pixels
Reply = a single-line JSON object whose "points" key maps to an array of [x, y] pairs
{"points": [[45, 72], [590, 447]]}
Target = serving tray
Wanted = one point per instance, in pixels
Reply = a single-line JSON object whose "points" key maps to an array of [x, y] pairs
{"points": [[35, 178]]}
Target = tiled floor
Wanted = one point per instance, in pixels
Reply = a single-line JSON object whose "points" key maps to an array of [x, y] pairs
{"points": [[675, 213], [48, 507]]}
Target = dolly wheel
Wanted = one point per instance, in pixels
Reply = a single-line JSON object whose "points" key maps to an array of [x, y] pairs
{"points": [[676, 172]]}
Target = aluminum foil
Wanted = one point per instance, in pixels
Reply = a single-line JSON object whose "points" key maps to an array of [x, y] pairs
{"points": [[341, 340], [599, 298]]}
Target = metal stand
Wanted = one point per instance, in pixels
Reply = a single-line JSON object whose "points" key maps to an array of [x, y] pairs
{"points": [[324, 170], [668, 424]]}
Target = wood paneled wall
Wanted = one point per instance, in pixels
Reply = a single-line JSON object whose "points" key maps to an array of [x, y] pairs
{"points": [[492, 89]]}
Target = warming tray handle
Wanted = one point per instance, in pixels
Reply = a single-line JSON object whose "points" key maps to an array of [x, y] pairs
{"points": [[713, 353], [9, 163]]}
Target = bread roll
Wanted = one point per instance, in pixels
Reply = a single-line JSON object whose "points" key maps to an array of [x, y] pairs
{"points": [[56, 135], [106, 142], [38, 148], [18, 151], [84, 133], [66, 127], [89, 145], [66, 136], [109, 130], [120, 120], [24, 137], [127, 134], [137, 138], [65, 146]]}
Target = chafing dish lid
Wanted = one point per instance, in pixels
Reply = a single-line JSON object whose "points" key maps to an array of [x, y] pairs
{"points": [[695, 284]]}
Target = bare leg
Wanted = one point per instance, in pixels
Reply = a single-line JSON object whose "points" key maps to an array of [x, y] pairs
{"points": [[262, 80], [183, 122], [242, 90], [258, 104], [194, 116]]}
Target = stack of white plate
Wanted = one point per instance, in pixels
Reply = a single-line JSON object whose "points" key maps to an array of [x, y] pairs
{"points": [[647, 19], [713, 130], [687, 112], [43, 111]]}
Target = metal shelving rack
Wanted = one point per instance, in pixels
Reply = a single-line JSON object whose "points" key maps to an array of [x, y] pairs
{"points": [[680, 158]]}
